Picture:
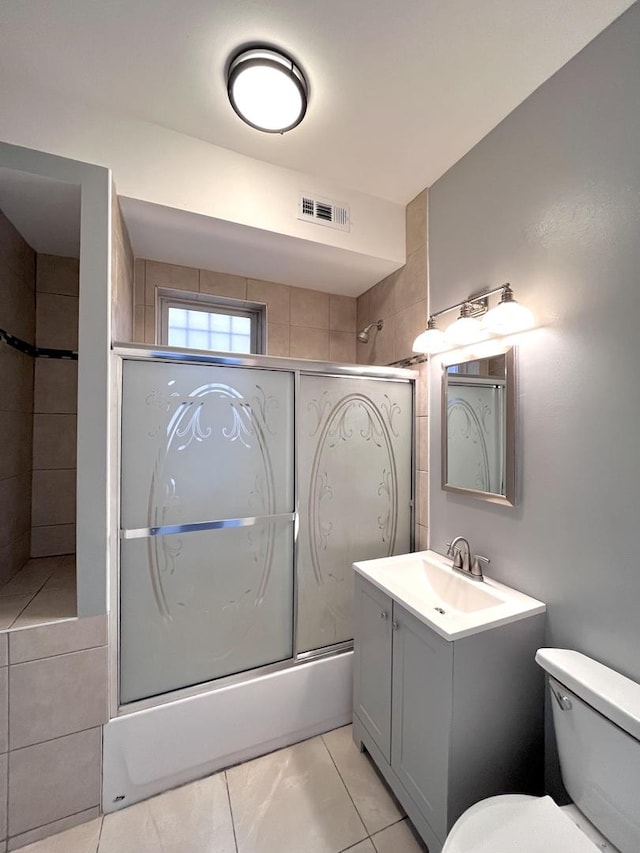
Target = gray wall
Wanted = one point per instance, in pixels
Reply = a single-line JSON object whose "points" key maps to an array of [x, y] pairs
{"points": [[550, 201]]}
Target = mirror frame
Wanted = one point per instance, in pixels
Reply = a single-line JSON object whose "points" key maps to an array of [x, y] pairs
{"points": [[509, 498]]}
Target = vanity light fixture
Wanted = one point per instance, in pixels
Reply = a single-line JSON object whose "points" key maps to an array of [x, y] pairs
{"points": [[506, 318], [267, 89]]}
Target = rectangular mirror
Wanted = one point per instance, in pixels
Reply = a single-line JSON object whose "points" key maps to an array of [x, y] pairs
{"points": [[478, 427]]}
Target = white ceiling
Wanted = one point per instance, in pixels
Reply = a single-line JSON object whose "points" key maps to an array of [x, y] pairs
{"points": [[400, 89]]}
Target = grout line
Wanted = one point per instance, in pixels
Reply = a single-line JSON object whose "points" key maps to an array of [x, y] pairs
{"points": [[233, 823], [346, 788], [97, 850]]}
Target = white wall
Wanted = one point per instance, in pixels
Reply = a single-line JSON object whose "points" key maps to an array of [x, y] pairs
{"points": [[154, 164], [550, 201]]}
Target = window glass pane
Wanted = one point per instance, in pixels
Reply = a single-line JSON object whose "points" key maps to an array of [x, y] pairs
{"points": [[219, 341], [197, 339], [198, 319], [177, 317], [220, 322], [177, 338], [240, 343], [241, 325]]}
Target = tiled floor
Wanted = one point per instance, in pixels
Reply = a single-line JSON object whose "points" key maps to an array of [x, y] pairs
{"points": [[44, 590], [319, 796]]}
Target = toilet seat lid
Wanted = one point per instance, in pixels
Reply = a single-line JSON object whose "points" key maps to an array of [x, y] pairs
{"points": [[534, 824]]}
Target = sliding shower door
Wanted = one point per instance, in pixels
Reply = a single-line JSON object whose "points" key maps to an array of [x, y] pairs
{"points": [[207, 512], [354, 474]]}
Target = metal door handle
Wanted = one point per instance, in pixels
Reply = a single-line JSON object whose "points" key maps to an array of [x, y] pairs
{"points": [[395, 625], [384, 615]]}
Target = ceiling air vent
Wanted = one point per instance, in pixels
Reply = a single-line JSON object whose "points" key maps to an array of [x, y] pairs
{"points": [[324, 212]]}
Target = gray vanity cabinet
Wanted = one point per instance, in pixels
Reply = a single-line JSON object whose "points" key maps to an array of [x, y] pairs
{"points": [[447, 723], [372, 659]]}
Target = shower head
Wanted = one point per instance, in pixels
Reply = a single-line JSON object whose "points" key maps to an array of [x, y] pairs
{"points": [[363, 336]]}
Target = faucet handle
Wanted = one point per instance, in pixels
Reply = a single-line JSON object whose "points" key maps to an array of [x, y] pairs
{"points": [[476, 568], [449, 550]]}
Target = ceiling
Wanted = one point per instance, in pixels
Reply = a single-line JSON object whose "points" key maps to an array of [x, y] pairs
{"points": [[399, 89]]}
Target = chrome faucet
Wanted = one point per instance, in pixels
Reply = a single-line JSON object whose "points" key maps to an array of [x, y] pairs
{"points": [[464, 561]]}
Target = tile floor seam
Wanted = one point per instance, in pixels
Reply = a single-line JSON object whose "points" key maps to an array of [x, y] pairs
{"points": [[233, 823], [100, 834], [364, 826]]}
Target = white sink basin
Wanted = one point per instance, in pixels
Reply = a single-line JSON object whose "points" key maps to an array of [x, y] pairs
{"points": [[455, 606]]}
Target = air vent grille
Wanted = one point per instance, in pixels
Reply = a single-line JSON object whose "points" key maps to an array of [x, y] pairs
{"points": [[324, 212]]}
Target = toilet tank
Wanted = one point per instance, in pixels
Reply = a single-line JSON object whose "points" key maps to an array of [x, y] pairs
{"points": [[596, 716]]}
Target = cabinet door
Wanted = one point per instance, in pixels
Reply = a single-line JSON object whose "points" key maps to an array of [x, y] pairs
{"points": [[372, 662], [422, 687]]}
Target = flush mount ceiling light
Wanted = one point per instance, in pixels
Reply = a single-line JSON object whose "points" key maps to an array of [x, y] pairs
{"points": [[506, 318], [267, 89]]}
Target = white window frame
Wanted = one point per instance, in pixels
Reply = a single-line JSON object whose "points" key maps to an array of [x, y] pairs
{"points": [[255, 311]]}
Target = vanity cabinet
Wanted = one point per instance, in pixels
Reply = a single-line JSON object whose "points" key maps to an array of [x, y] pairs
{"points": [[446, 722]]}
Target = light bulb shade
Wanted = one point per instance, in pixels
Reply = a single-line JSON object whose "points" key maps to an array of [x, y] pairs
{"points": [[267, 90], [507, 318], [430, 341], [463, 331]]}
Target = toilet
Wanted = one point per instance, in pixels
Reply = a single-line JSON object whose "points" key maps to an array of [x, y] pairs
{"points": [[596, 716]]}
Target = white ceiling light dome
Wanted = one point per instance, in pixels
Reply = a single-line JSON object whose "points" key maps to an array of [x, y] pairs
{"points": [[267, 89]]}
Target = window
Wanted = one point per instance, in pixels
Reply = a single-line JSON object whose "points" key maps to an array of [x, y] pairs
{"points": [[197, 321]]}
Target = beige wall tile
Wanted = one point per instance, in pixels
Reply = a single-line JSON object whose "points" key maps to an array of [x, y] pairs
{"points": [[363, 310], [12, 245], [342, 347], [16, 380], [57, 321], [223, 284], [309, 308], [411, 281], [56, 385], [57, 275], [422, 537], [422, 456], [380, 349], [4, 649], [52, 602], [382, 299], [13, 556], [278, 339], [168, 275], [122, 276], [32, 577], [422, 497], [15, 444], [138, 324], [58, 638], [422, 389], [342, 313], [53, 539], [4, 779], [149, 325], [4, 711], [15, 507], [139, 281], [53, 780], [57, 696], [416, 222], [54, 441], [10, 608], [54, 497], [309, 343], [17, 304], [409, 323], [275, 296], [76, 834]]}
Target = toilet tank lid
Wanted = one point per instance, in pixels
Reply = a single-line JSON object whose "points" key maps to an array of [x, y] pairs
{"points": [[613, 695]]}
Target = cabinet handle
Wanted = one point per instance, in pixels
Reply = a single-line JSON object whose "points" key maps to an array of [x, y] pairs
{"points": [[384, 615], [395, 625]]}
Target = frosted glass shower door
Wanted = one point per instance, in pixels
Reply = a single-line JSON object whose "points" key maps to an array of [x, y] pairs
{"points": [[354, 458], [206, 580]]}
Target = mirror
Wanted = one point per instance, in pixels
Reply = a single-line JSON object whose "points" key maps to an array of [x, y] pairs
{"points": [[478, 426]]}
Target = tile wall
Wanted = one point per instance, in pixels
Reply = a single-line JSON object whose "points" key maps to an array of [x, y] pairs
{"points": [[53, 703], [121, 276], [53, 515], [401, 301], [301, 323], [17, 317]]}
